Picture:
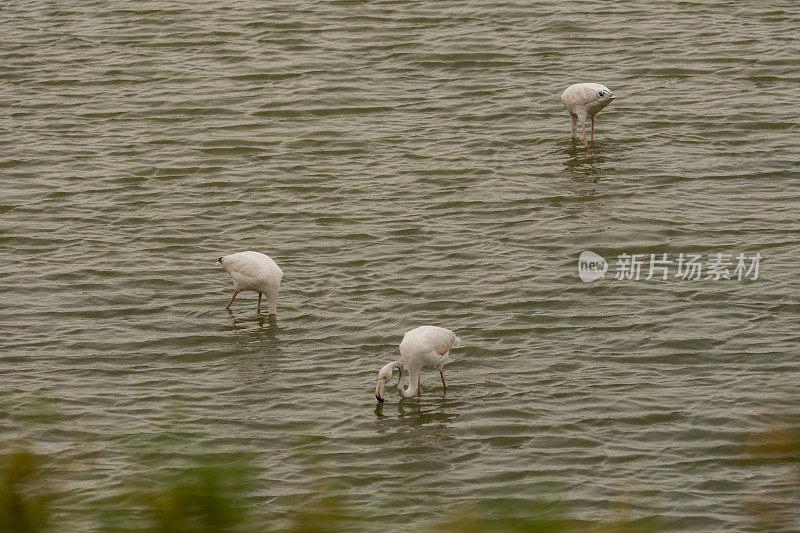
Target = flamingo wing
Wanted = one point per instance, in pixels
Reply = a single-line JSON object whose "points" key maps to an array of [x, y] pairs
{"points": [[428, 338], [253, 265], [581, 94]]}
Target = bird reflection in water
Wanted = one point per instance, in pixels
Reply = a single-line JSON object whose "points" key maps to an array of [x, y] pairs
{"points": [[267, 326], [417, 414], [587, 166]]}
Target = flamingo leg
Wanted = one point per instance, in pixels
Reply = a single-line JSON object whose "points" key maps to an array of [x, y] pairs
{"points": [[443, 383], [258, 309], [583, 126], [419, 388], [592, 130], [232, 298]]}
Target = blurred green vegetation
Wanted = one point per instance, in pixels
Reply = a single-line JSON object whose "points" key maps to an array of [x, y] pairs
{"points": [[203, 499], [217, 495], [25, 498]]}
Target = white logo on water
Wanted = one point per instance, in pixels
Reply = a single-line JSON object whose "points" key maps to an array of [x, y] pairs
{"points": [[688, 266], [591, 266]]}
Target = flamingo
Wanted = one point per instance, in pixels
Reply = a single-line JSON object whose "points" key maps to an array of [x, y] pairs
{"points": [[585, 99], [422, 347], [253, 271]]}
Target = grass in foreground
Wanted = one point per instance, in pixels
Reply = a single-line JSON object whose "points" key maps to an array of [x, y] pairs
{"points": [[215, 497]]}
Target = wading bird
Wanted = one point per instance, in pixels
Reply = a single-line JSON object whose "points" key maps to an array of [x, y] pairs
{"points": [[422, 347], [253, 271], [585, 100]]}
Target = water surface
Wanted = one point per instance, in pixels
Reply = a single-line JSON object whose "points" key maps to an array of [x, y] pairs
{"points": [[405, 163]]}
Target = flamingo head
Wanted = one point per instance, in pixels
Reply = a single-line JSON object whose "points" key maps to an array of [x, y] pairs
{"points": [[384, 375], [603, 96], [219, 261]]}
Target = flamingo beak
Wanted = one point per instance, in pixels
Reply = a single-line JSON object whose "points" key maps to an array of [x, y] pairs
{"points": [[379, 390]]}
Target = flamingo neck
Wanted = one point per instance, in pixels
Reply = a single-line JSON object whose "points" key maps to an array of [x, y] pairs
{"points": [[391, 366], [413, 382]]}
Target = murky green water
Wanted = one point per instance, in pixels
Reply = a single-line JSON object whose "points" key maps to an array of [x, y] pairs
{"points": [[405, 163]]}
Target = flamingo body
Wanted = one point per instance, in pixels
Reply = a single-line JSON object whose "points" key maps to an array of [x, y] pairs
{"points": [[585, 100], [254, 271], [422, 347]]}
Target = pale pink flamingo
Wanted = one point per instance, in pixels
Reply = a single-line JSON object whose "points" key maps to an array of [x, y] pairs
{"points": [[585, 100], [253, 271], [422, 347]]}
